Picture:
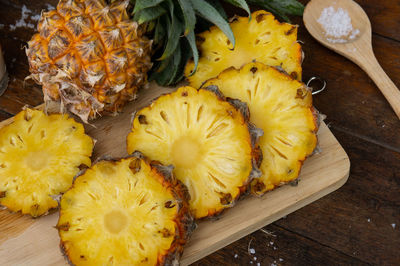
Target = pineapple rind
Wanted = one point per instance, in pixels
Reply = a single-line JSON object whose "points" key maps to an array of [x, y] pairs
{"points": [[40, 155], [263, 39], [112, 184], [225, 165], [282, 107]]}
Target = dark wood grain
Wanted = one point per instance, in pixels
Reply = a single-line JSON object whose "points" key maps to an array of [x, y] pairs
{"points": [[357, 225], [358, 218], [384, 16], [274, 245]]}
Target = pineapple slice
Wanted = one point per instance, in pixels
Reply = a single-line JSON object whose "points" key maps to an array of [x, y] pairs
{"points": [[125, 212], [39, 157], [261, 39], [205, 138], [282, 107]]}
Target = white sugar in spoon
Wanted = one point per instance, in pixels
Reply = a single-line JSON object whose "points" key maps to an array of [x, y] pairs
{"points": [[359, 50]]}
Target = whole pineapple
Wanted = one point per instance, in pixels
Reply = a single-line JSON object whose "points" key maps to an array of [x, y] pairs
{"points": [[89, 56], [282, 107], [39, 156], [126, 212]]}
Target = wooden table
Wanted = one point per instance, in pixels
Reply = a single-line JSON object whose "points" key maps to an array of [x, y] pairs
{"points": [[359, 223]]}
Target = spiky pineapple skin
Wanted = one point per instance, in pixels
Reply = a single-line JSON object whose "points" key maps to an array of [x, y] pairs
{"points": [[167, 185], [282, 107], [89, 56], [217, 127], [40, 155], [263, 39]]}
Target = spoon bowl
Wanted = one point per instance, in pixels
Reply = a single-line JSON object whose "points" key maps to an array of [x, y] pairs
{"points": [[359, 49]]}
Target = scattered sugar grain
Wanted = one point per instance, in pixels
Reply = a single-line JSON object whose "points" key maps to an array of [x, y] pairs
{"points": [[49, 7], [252, 251], [369, 220], [35, 17], [258, 264], [22, 23], [236, 256], [354, 34], [280, 259], [254, 258], [394, 226]]}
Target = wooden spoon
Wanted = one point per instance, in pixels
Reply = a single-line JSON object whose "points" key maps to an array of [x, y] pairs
{"points": [[359, 49]]}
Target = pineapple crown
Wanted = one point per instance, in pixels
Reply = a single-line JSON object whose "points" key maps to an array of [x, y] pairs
{"points": [[172, 25]]}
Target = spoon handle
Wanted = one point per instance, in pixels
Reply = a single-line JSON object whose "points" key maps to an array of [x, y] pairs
{"points": [[392, 94]]}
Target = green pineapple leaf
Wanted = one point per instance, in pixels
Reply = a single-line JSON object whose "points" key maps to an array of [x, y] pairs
{"points": [[192, 42], [149, 14], [240, 3], [175, 29], [281, 8], [188, 14], [142, 4], [208, 12]]}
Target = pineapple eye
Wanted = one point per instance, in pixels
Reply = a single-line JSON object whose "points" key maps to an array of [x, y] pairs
{"points": [[226, 198], [253, 70], [135, 166], [142, 119], [165, 232], [292, 29], [169, 204]]}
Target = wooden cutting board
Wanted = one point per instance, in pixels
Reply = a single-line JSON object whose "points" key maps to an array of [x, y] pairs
{"points": [[27, 241]]}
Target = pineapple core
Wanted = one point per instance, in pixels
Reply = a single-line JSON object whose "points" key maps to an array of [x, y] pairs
{"points": [[37, 160], [185, 152], [115, 221]]}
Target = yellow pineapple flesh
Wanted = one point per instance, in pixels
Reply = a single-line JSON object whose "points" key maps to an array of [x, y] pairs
{"points": [[89, 56], [205, 138], [262, 39], [126, 212], [39, 157], [282, 108]]}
